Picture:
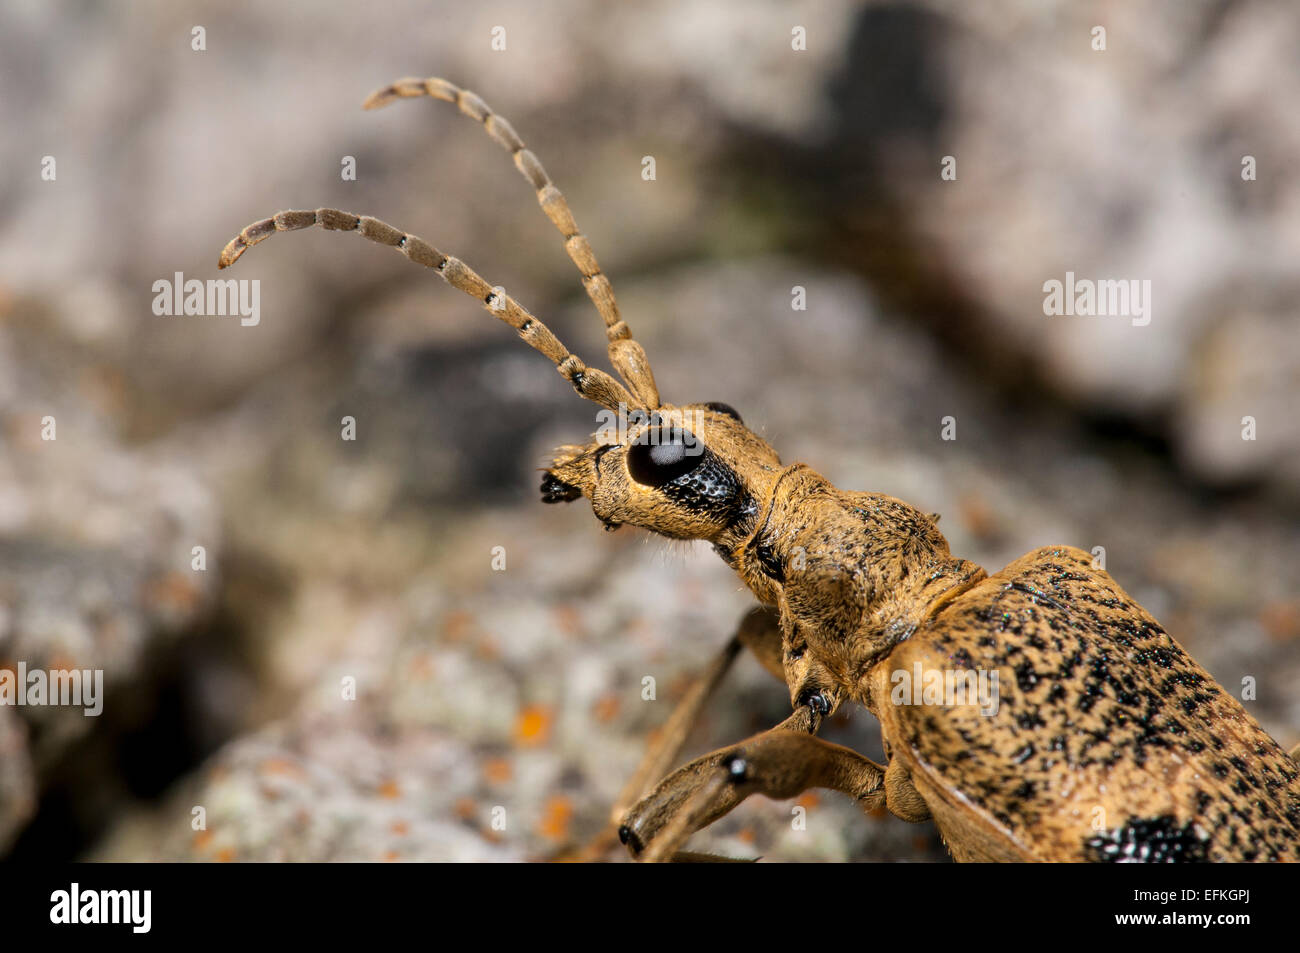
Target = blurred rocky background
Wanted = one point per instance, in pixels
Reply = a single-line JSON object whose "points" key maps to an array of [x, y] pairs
{"points": [[371, 560]]}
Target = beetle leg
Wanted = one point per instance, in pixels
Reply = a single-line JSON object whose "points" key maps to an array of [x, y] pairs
{"points": [[901, 796], [779, 763], [760, 632]]}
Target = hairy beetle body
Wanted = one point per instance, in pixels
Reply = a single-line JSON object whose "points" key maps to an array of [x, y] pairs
{"points": [[1105, 741], [1108, 743]]}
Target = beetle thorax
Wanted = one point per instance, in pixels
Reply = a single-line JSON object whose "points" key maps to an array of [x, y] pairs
{"points": [[852, 574]]}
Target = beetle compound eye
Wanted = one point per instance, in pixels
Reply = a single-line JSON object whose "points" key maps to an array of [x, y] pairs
{"points": [[718, 407], [662, 456]]}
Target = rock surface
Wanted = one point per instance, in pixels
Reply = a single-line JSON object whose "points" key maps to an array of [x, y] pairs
{"points": [[350, 678]]}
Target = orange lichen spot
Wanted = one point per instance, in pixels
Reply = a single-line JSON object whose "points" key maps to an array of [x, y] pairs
{"points": [[104, 386], [456, 626], [1281, 621], [422, 666], [808, 800], [977, 516], [389, 790], [486, 649], [556, 816], [279, 766], [202, 840], [466, 808], [226, 855], [400, 828], [637, 629], [497, 771], [173, 590], [22, 429], [391, 855], [746, 835], [533, 725], [568, 620], [606, 708]]}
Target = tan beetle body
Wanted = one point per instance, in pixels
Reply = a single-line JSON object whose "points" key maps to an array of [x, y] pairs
{"points": [[1107, 742]]}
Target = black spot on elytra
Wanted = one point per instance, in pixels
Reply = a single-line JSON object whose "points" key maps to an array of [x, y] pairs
{"points": [[1154, 840], [1026, 677]]}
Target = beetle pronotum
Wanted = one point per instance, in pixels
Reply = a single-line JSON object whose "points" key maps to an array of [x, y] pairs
{"points": [[1107, 743]]}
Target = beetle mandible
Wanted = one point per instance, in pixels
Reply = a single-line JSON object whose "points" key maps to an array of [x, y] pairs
{"points": [[1106, 742]]}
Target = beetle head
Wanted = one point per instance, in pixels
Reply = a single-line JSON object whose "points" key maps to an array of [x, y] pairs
{"points": [[686, 472]]}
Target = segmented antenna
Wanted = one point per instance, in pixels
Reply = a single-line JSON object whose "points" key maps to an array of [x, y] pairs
{"points": [[590, 382], [627, 356]]}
